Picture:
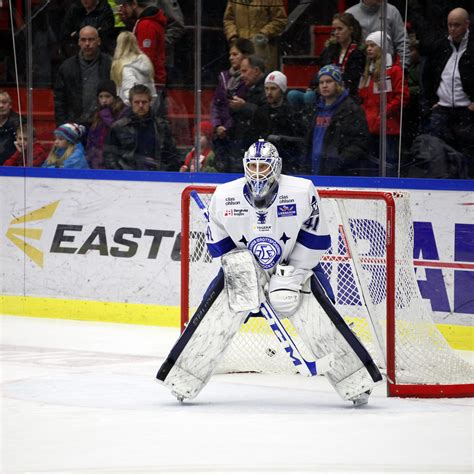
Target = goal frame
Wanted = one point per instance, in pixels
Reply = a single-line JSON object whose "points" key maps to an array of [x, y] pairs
{"points": [[394, 389]]}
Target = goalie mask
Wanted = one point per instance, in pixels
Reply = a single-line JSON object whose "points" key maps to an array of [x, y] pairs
{"points": [[262, 167]]}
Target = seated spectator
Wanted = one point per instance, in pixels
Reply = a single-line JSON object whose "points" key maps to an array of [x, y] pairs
{"points": [[397, 96], [346, 52], [229, 84], [206, 158], [111, 109], [448, 80], [19, 158], [142, 140], [337, 142], [279, 123], [130, 66], [75, 90], [96, 13], [67, 151], [368, 12], [246, 129], [9, 122]]}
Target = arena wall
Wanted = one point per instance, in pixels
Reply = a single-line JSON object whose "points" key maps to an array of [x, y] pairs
{"points": [[106, 246]]}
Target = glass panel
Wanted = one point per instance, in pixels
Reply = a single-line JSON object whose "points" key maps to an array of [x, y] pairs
{"points": [[424, 117]]}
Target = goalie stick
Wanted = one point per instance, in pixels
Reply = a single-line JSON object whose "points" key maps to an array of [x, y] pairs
{"points": [[308, 368]]}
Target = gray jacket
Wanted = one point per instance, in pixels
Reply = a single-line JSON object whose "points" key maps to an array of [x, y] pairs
{"points": [[369, 19]]}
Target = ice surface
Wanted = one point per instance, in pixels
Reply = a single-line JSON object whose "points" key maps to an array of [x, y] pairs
{"points": [[81, 397]]}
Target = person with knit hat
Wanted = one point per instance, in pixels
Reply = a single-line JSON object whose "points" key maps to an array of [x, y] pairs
{"points": [[110, 109], [206, 158], [67, 151], [397, 97], [278, 123], [337, 141]]}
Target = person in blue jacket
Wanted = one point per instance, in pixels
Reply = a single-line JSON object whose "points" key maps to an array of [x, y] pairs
{"points": [[67, 151]]}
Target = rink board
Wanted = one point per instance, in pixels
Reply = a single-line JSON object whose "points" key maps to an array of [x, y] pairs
{"points": [[108, 249]]}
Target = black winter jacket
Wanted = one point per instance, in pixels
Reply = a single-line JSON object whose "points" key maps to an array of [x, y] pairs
{"points": [[436, 63], [121, 146], [345, 143], [68, 90]]}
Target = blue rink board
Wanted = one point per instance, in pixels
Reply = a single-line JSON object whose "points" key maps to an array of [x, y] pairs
{"points": [[218, 178]]}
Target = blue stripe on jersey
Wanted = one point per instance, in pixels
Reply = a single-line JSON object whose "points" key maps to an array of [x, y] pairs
{"points": [[221, 247], [314, 242]]}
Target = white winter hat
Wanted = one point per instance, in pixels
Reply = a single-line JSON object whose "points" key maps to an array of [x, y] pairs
{"points": [[376, 37], [278, 78]]}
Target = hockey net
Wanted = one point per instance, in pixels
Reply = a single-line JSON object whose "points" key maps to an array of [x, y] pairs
{"points": [[370, 267]]}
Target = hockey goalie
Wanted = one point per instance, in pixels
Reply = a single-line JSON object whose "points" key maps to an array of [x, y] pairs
{"points": [[269, 232]]}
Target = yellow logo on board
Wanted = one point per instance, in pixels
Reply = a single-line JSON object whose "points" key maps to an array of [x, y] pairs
{"points": [[18, 235]]}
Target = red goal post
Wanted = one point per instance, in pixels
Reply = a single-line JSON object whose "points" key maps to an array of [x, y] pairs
{"points": [[370, 265]]}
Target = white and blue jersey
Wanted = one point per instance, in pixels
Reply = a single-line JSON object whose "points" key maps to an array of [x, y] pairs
{"points": [[291, 230]]}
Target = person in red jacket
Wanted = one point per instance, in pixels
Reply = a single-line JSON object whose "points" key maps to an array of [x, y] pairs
{"points": [[397, 97], [19, 158], [150, 32]]}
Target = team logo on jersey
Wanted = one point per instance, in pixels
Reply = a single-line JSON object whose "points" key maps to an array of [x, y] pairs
{"points": [[262, 217], [266, 250], [286, 210]]}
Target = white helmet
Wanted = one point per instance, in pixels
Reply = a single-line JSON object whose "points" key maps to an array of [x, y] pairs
{"points": [[262, 166]]}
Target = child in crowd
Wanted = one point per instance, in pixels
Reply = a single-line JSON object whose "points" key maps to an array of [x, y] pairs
{"points": [[397, 97], [206, 160], [111, 108], [67, 151], [19, 158]]}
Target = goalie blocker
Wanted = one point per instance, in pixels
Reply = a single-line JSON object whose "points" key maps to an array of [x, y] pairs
{"points": [[236, 292]]}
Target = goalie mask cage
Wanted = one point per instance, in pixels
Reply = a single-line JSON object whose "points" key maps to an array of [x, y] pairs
{"points": [[370, 267]]}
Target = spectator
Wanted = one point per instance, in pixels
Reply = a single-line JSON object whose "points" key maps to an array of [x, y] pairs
{"points": [[142, 140], [229, 84], [130, 66], [280, 125], [67, 151], [111, 109], [9, 122], [19, 158], [246, 129], [206, 158], [397, 96], [259, 20], [174, 31], [96, 13], [367, 13], [448, 80], [346, 52], [337, 141], [150, 32], [78, 78]]}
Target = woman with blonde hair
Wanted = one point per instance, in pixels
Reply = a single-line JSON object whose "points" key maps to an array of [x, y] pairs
{"points": [[130, 67]]}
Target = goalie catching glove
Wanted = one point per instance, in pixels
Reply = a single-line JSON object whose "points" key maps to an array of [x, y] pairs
{"points": [[284, 289]]}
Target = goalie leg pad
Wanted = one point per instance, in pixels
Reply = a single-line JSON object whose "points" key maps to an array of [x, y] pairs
{"points": [[197, 352], [324, 331]]}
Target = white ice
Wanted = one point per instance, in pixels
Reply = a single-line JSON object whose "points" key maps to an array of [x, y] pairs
{"points": [[81, 397]]}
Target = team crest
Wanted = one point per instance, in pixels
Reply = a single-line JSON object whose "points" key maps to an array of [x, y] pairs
{"points": [[266, 250]]}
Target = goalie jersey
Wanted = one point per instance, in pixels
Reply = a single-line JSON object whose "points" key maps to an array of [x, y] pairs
{"points": [[291, 230]]}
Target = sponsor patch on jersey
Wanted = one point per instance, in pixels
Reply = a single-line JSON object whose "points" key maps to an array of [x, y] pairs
{"points": [[147, 43], [266, 250], [235, 212], [286, 210]]}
